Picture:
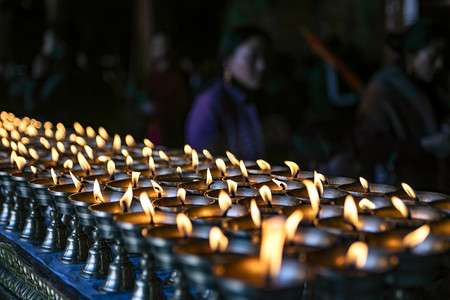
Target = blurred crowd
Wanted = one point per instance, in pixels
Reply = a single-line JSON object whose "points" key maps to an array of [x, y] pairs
{"points": [[332, 111]]}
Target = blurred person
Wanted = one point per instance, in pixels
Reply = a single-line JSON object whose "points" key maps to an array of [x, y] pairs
{"points": [[402, 129], [168, 89], [224, 116]]}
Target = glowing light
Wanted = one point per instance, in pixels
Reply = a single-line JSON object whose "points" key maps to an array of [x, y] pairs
{"points": [[129, 140], [313, 195], [184, 225], [54, 176], [400, 206], [147, 205], [90, 132], [272, 242], [224, 201], [365, 184], [207, 154], [243, 169], [55, 155], [351, 211], [232, 158], [263, 165], [291, 224], [20, 162], [117, 143], [357, 255], [416, 237], [255, 213], [295, 170], [147, 151], [220, 163], [194, 159], [100, 142], [163, 155], [409, 190], [232, 187], [281, 184], [217, 240], [148, 143], [187, 149], [83, 163], [89, 152], [61, 147], [103, 133], [366, 204], [126, 199], [68, 164], [76, 182], [78, 128], [111, 167], [266, 194], [135, 178], [98, 192]]}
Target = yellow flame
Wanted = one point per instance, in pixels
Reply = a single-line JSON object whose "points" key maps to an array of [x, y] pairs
{"points": [[68, 164], [76, 182], [400, 206], [13, 157], [263, 165], [89, 152], [104, 158], [293, 167], [291, 224], [5, 142], [13, 145], [44, 142], [151, 164], [129, 161], [224, 201], [78, 128], [207, 154], [417, 236], [54, 176], [357, 255], [187, 149], [272, 242], [179, 171], [220, 163], [409, 190], [31, 131], [48, 125], [232, 187], [243, 169], [217, 240], [281, 184], [98, 192], [135, 178], [20, 162], [21, 148], [117, 142], [48, 133], [100, 142], [83, 163], [25, 140], [184, 225], [73, 137], [364, 183], [313, 195], [125, 201], [147, 205], [232, 158], [148, 143], [209, 178], [351, 211], [255, 213], [90, 132], [103, 133], [60, 135], [266, 194], [129, 140], [125, 152], [156, 187], [80, 141], [318, 183], [73, 149], [194, 159], [33, 169], [366, 204], [55, 155], [60, 126], [181, 194], [163, 155], [147, 151], [61, 147], [111, 167]]}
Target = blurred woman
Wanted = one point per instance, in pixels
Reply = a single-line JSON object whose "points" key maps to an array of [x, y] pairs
{"points": [[224, 117]]}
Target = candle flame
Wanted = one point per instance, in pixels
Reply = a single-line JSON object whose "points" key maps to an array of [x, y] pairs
{"points": [[148, 143], [103, 133], [291, 224], [73, 149], [60, 135], [209, 179], [409, 190], [20, 162], [357, 255], [111, 167], [217, 240], [313, 195], [151, 164], [117, 143], [243, 169], [263, 165], [68, 164], [194, 159], [147, 151], [80, 141], [135, 178], [232, 187], [54, 176], [184, 225], [98, 192], [48, 133], [33, 154], [266, 194], [48, 125], [15, 135], [400, 206], [187, 149], [61, 147], [13, 145], [163, 155], [33, 169], [272, 242], [78, 128], [417, 236], [293, 167], [318, 182], [103, 158], [25, 140], [31, 131], [55, 155], [83, 163], [156, 187], [100, 142], [129, 161], [89, 152], [281, 184], [22, 149], [179, 171], [181, 194], [44, 142], [129, 140], [207, 154], [365, 184], [232, 158], [224, 201], [13, 157], [125, 152], [366, 204], [90, 132], [147, 205], [351, 211], [76, 182], [220, 163], [5, 142], [125, 201], [255, 213]]}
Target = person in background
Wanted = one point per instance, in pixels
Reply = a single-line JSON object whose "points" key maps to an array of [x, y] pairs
{"points": [[402, 127], [224, 116]]}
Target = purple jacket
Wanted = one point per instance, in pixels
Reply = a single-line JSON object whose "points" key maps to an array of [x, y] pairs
{"points": [[221, 120]]}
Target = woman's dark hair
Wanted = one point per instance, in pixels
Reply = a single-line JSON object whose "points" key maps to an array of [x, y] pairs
{"points": [[233, 38], [421, 34]]}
